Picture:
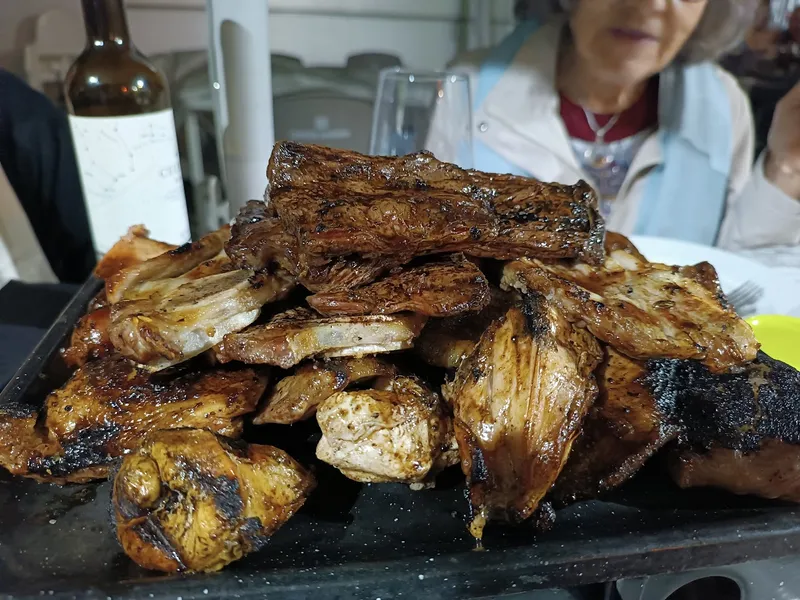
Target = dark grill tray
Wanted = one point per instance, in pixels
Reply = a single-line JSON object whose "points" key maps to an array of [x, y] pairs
{"points": [[373, 541]]}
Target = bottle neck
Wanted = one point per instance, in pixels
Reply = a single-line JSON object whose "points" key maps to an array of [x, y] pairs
{"points": [[106, 24]]}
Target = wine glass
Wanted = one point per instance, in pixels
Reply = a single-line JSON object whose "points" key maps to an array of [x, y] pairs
{"points": [[416, 110]]}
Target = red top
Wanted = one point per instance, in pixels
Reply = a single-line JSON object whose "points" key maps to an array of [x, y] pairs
{"points": [[639, 117]]}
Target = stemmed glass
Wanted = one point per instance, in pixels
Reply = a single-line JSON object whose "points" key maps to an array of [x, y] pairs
{"points": [[416, 110]]}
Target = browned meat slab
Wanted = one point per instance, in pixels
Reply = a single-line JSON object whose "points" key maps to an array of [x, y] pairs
{"points": [[440, 289], [399, 433], [258, 241], [190, 501], [519, 400], [106, 408], [624, 428], [335, 203], [297, 396], [295, 335], [644, 310]]}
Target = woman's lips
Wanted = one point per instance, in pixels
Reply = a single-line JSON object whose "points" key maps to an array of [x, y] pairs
{"points": [[632, 35]]}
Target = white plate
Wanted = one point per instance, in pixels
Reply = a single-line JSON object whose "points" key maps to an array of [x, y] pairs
{"points": [[781, 294]]}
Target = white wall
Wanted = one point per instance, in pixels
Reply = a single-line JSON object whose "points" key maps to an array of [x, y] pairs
{"points": [[424, 33]]}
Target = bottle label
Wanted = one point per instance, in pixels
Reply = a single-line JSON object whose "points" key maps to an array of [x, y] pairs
{"points": [[131, 174]]}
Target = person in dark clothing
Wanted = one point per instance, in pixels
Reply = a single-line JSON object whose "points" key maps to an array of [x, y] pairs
{"points": [[38, 158]]}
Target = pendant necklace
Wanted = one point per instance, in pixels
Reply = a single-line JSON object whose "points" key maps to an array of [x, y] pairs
{"points": [[599, 156]]}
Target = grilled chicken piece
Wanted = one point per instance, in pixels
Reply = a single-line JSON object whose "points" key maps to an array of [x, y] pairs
{"points": [[741, 431], [518, 402], [624, 428], [644, 310], [297, 334], [133, 248], [189, 500], [439, 289], [296, 397], [168, 265], [258, 240], [106, 407], [168, 328], [399, 433], [89, 339], [446, 342], [336, 203]]}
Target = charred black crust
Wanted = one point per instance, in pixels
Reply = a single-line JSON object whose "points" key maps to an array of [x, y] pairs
{"points": [[16, 409], [535, 311], [252, 534], [87, 449], [737, 411]]}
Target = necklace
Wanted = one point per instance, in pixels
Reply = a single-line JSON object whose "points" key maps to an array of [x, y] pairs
{"points": [[598, 155]]}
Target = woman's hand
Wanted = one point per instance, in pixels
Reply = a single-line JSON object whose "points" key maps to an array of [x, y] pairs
{"points": [[782, 163]]}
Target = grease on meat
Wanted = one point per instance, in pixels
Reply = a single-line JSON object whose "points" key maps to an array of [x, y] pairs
{"points": [[191, 501], [518, 402]]}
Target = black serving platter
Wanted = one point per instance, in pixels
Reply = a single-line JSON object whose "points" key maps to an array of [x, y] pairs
{"points": [[373, 541]]}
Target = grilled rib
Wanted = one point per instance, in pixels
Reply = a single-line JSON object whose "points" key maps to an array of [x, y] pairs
{"points": [[190, 501], [106, 407], [438, 289], [131, 249], [399, 433], [297, 396], [518, 401], [295, 335], [89, 339]]}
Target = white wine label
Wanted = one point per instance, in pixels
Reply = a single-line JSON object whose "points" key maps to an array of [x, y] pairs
{"points": [[131, 174]]}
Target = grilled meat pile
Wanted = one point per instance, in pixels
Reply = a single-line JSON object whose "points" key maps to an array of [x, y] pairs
{"points": [[354, 290]]}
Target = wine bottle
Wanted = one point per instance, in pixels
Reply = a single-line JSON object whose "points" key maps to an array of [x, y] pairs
{"points": [[124, 134]]}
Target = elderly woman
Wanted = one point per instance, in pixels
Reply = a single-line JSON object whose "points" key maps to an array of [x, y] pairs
{"points": [[624, 94]]}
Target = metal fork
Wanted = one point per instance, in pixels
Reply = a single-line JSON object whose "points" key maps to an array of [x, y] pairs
{"points": [[745, 297]]}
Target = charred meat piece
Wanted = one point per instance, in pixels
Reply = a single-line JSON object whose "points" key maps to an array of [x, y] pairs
{"points": [[89, 339], [335, 203], [169, 328], [741, 431], [644, 310], [106, 408], [624, 428], [258, 241], [446, 342], [168, 265], [772, 471], [518, 402], [133, 248], [439, 289], [296, 397], [189, 500], [297, 334], [399, 433]]}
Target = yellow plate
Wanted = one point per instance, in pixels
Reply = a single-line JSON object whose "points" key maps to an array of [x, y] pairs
{"points": [[779, 337]]}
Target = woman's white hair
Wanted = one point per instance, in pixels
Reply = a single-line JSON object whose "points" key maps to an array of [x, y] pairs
{"points": [[722, 28]]}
